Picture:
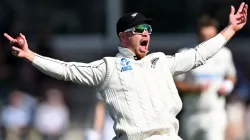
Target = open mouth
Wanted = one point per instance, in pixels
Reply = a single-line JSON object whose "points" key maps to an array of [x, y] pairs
{"points": [[144, 43], [143, 46]]}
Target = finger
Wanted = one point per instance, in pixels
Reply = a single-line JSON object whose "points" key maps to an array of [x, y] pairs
{"points": [[242, 21], [22, 36], [241, 7], [239, 18], [8, 37], [244, 12], [232, 10], [16, 49], [246, 9]]}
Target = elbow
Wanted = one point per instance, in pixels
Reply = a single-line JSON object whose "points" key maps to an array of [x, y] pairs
{"points": [[64, 75]]}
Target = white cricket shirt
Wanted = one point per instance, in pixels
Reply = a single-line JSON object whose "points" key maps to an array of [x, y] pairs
{"points": [[140, 95]]}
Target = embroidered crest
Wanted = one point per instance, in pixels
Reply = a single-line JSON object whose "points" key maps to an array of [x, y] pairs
{"points": [[154, 61], [125, 65]]}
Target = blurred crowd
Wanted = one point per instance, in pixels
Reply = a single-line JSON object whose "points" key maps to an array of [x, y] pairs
{"points": [[48, 118], [34, 106]]}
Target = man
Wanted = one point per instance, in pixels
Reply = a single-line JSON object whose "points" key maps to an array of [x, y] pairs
{"points": [[15, 117], [204, 90], [52, 116], [138, 89], [103, 123]]}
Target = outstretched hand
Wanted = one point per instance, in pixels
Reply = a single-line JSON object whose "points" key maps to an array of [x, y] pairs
{"points": [[21, 52], [239, 19]]}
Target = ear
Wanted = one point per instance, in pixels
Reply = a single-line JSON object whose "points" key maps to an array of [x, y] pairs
{"points": [[123, 36], [120, 35]]}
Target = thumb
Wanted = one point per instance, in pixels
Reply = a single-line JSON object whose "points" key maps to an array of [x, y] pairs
{"points": [[232, 10], [16, 49]]}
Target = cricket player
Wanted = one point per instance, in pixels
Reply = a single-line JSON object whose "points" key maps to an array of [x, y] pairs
{"points": [[103, 123], [138, 89], [204, 90]]}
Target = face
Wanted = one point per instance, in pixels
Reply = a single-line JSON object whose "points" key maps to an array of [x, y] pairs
{"points": [[54, 96], [137, 41], [207, 33], [16, 98]]}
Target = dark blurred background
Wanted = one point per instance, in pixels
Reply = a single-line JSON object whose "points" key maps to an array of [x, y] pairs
{"points": [[84, 31]]}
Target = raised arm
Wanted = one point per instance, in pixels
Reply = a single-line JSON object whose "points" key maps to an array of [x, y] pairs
{"points": [[192, 58], [91, 74]]}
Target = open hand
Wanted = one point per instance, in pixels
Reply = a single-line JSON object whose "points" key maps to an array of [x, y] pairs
{"points": [[239, 19]]}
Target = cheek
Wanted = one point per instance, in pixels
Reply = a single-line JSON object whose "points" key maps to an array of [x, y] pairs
{"points": [[136, 39], [132, 41], [135, 42]]}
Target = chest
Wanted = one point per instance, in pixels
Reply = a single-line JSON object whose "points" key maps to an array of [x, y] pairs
{"points": [[144, 78], [144, 81], [147, 73]]}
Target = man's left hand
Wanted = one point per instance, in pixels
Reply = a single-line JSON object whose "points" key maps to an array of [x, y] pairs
{"points": [[239, 19]]}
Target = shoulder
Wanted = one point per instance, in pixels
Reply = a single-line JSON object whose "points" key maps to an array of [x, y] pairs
{"points": [[160, 57], [225, 52], [182, 49], [98, 63], [156, 54], [109, 60], [154, 57]]}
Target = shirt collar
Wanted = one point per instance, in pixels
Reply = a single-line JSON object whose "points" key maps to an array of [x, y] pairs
{"points": [[126, 52]]}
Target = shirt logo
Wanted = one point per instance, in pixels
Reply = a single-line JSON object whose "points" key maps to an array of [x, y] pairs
{"points": [[133, 15], [154, 61], [125, 65]]}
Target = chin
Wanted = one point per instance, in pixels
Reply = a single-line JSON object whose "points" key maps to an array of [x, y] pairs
{"points": [[140, 55]]}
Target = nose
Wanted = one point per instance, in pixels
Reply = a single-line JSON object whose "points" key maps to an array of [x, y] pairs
{"points": [[145, 33]]}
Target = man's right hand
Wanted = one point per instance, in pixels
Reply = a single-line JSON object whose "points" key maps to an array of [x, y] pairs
{"points": [[23, 52]]}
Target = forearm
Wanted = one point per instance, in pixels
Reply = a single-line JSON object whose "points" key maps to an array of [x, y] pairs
{"points": [[187, 88], [90, 74], [194, 57], [99, 116], [212, 46], [48, 66], [228, 32]]}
